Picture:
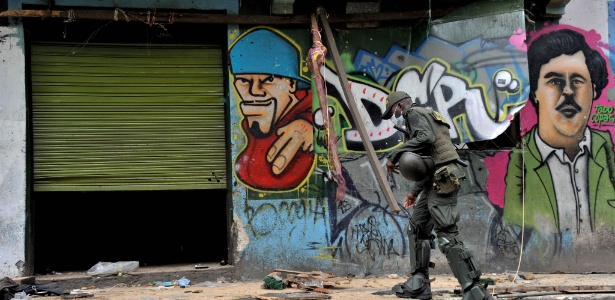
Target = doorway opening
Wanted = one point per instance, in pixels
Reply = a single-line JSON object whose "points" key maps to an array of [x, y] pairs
{"points": [[72, 231]]}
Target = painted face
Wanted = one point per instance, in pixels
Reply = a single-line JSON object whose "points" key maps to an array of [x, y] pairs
{"points": [[265, 99], [564, 93]]}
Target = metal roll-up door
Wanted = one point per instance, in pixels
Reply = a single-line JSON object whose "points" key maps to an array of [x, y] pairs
{"points": [[127, 117]]}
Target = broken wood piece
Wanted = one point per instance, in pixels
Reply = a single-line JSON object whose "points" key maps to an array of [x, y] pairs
{"points": [[522, 295], [549, 288], [296, 296], [302, 272], [75, 296], [328, 280]]}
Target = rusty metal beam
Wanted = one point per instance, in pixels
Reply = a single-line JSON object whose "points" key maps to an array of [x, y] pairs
{"points": [[212, 18], [354, 110]]}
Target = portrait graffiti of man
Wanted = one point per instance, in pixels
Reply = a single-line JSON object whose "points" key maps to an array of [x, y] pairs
{"points": [[276, 104], [564, 169]]}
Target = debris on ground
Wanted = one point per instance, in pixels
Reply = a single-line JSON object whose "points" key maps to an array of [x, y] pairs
{"points": [[527, 275], [295, 296], [315, 281], [273, 281], [119, 268]]}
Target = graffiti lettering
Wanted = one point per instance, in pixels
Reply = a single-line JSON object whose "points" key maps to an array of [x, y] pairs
{"points": [[263, 218], [344, 206], [370, 240], [446, 91], [603, 114]]}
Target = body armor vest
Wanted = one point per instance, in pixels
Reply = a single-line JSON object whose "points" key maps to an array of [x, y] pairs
{"points": [[442, 150]]}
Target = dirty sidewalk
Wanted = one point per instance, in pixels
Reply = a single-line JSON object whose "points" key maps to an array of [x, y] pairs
{"points": [[223, 283]]}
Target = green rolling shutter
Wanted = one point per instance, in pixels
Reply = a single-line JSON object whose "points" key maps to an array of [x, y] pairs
{"points": [[127, 117]]}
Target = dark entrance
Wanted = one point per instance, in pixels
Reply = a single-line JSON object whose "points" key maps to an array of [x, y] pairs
{"points": [[75, 230]]}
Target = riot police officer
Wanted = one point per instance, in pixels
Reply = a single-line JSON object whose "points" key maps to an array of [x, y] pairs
{"points": [[429, 158]]}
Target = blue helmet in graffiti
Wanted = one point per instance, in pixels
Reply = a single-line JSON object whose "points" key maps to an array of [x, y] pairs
{"points": [[263, 51]]}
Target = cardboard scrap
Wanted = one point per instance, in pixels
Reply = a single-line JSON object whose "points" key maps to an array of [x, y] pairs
{"points": [[314, 279]]}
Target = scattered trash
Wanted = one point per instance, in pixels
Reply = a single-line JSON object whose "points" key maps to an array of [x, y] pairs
{"points": [[393, 276], [309, 281], [528, 275], [200, 266], [117, 268], [7, 288], [21, 295], [182, 282], [77, 295], [315, 281], [294, 296], [487, 280], [48, 289], [273, 281]]}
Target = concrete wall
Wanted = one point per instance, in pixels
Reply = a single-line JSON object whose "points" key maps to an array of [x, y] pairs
{"points": [[285, 213], [12, 151], [284, 209]]}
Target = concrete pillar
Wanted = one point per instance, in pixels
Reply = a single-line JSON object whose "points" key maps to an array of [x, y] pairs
{"points": [[12, 150]]}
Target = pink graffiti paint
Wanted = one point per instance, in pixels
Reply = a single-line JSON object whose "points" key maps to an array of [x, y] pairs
{"points": [[496, 186], [518, 39]]}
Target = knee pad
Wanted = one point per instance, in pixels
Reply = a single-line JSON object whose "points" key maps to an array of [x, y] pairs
{"points": [[460, 260], [420, 251]]}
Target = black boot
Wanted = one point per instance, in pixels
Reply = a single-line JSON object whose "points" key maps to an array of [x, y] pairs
{"points": [[476, 292], [417, 287]]}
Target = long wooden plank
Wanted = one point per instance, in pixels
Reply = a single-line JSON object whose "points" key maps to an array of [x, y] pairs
{"points": [[354, 110], [549, 288]]}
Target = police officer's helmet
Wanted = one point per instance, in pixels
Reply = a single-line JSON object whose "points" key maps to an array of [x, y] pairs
{"points": [[415, 167], [392, 100]]}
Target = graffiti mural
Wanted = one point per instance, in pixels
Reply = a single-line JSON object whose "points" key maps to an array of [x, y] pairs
{"points": [[276, 105], [478, 86], [559, 187]]}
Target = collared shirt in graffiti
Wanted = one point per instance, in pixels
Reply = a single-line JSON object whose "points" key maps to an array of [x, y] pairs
{"points": [[571, 187]]}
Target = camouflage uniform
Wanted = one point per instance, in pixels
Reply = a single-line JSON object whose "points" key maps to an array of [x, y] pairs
{"points": [[436, 208]]}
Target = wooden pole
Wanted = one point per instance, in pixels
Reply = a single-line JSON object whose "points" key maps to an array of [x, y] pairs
{"points": [[354, 110]]}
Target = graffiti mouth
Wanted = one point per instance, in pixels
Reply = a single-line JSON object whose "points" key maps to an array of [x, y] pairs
{"points": [[569, 110], [264, 102]]}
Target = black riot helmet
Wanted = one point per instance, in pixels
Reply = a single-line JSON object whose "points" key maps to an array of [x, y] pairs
{"points": [[415, 167]]}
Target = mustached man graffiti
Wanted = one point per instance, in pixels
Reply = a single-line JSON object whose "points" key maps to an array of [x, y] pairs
{"points": [[276, 105], [560, 182]]}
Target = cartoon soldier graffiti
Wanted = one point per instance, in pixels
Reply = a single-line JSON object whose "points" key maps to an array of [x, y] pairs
{"points": [[276, 104]]}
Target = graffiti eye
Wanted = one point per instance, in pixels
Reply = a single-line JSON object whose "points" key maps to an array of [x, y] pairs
{"points": [[556, 81], [268, 79], [578, 81], [242, 80]]}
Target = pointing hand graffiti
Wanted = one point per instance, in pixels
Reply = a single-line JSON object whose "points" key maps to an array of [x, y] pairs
{"points": [[295, 136]]}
